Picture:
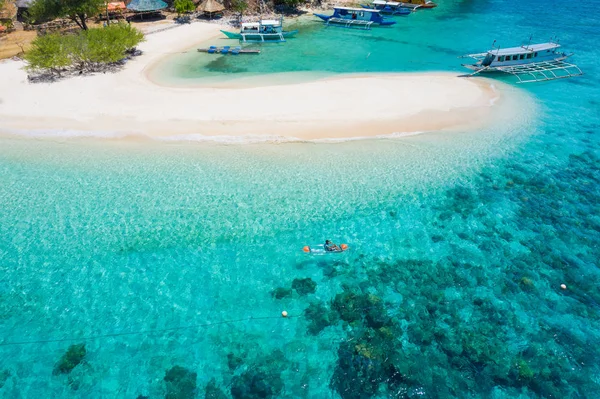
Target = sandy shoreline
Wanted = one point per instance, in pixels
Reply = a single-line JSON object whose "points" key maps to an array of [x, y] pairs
{"points": [[127, 103]]}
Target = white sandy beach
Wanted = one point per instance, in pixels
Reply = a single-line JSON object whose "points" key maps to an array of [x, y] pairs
{"points": [[127, 103]]}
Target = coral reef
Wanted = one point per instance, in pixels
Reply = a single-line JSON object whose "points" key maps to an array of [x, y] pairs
{"points": [[70, 359], [180, 383], [212, 391], [304, 286]]}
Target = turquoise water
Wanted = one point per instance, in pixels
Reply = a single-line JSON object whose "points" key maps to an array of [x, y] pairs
{"points": [[157, 255]]}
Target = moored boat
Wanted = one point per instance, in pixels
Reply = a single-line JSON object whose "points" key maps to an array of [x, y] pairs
{"points": [[349, 17], [388, 7], [424, 4], [529, 63], [265, 30]]}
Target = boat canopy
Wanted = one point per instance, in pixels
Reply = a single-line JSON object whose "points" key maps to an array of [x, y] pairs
{"points": [[273, 22], [357, 9], [266, 22], [525, 49], [385, 3]]}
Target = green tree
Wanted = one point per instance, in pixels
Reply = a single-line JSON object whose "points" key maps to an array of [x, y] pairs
{"points": [[239, 6], [289, 3], [184, 6], [108, 45], [76, 10], [88, 49], [49, 53]]}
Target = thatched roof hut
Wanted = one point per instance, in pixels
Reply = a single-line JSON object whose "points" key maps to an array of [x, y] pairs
{"points": [[210, 7]]}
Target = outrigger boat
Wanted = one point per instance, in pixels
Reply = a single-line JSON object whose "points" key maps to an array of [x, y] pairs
{"points": [[388, 7], [265, 30], [228, 50], [349, 17], [529, 63], [415, 6]]}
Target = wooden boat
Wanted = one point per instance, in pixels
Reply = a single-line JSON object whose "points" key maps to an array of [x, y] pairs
{"points": [[388, 7], [348, 17], [228, 50], [414, 6], [265, 30], [529, 63]]}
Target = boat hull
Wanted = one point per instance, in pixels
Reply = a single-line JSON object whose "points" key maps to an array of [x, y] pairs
{"points": [[336, 19], [258, 37]]}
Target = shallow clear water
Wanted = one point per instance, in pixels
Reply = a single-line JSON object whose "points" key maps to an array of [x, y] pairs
{"points": [[164, 254]]}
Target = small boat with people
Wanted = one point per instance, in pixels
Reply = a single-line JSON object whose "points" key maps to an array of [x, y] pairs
{"points": [[265, 30], [529, 63], [349, 17], [327, 248], [388, 7]]}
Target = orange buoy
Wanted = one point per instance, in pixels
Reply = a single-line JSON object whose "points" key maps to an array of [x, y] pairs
{"points": [[306, 249], [284, 314], [344, 247]]}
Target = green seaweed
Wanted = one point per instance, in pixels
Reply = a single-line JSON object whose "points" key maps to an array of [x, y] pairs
{"points": [[73, 357], [181, 383], [304, 286]]}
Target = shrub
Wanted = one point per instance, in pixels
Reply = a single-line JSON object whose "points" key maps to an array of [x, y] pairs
{"points": [[184, 6], [87, 49]]}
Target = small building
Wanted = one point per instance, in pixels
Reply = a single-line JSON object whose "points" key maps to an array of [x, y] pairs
{"points": [[23, 9], [211, 8], [147, 7]]}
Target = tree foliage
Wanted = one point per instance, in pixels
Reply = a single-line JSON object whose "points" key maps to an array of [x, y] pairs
{"points": [[239, 5], [289, 3], [184, 6], [76, 10], [86, 50], [49, 53]]}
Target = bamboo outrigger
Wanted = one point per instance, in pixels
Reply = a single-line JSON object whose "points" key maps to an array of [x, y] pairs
{"points": [[529, 63]]}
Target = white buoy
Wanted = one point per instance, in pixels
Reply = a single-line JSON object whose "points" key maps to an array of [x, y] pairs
{"points": [[284, 313], [563, 286]]}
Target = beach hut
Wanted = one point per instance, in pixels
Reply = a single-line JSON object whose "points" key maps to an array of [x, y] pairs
{"points": [[23, 8], [115, 9], [143, 7], [210, 8]]}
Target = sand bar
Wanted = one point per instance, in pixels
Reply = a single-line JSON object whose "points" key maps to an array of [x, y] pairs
{"points": [[127, 103]]}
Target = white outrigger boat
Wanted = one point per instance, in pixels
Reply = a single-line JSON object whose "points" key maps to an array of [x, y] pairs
{"points": [[265, 30], [388, 7], [529, 63]]}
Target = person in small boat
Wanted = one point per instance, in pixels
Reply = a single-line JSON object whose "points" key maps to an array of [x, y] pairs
{"points": [[331, 247]]}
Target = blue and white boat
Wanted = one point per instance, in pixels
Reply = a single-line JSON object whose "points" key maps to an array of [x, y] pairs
{"points": [[529, 63], [361, 18], [388, 7]]}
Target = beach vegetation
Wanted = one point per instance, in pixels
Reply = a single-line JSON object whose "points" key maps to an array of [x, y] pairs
{"points": [[49, 53], [89, 50], [184, 6], [238, 6], [78, 11], [289, 3]]}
